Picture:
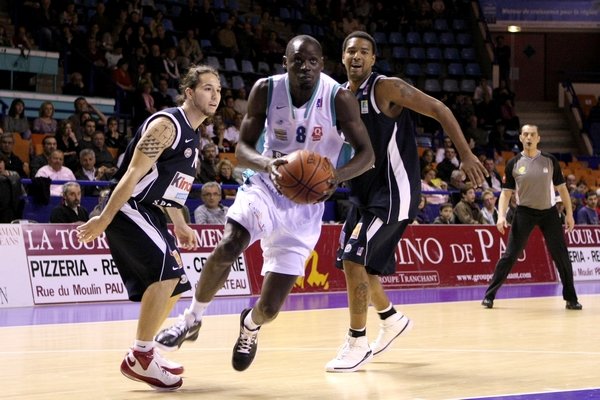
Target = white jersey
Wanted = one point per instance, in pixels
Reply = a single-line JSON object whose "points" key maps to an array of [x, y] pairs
{"points": [[311, 127]]}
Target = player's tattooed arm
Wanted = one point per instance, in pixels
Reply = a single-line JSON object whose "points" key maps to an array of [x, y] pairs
{"points": [[159, 135]]}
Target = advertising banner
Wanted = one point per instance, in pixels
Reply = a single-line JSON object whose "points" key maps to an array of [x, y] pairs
{"points": [[15, 290], [584, 251], [64, 270]]}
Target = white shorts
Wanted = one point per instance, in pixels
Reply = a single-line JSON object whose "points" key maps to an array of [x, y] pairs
{"points": [[288, 231]]}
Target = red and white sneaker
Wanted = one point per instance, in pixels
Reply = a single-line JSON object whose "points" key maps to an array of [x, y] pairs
{"points": [[168, 365], [144, 367]]}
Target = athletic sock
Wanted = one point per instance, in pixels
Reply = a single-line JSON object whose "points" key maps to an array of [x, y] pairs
{"points": [[249, 322], [198, 308], [387, 312], [355, 333], [143, 346]]}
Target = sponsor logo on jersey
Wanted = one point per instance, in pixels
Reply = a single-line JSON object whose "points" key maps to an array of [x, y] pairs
{"points": [[317, 133], [187, 152], [179, 188], [280, 134], [364, 106]]}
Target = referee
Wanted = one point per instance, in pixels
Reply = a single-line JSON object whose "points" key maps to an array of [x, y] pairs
{"points": [[535, 175]]}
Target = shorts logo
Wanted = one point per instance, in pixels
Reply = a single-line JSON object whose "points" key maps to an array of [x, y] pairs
{"points": [[177, 258], [319, 102], [356, 231], [184, 279], [348, 248], [359, 251]]}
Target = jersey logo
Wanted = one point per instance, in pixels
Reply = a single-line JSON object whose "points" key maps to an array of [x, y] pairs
{"points": [[317, 133], [280, 134], [179, 188], [187, 153], [522, 170], [364, 106], [319, 102], [545, 170]]}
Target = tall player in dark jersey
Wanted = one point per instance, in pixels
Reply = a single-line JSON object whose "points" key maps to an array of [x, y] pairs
{"points": [[157, 171], [384, 199]]}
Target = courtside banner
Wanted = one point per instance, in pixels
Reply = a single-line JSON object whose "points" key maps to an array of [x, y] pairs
{"points": [[63, 270], [15, 290], [584, 251], [427, 256]]}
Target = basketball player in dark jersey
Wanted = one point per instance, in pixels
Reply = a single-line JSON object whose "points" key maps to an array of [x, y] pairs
{"points": [[157, 172], [384, 199]]}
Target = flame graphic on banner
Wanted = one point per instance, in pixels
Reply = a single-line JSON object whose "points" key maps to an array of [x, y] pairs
{"points": [[312, 277]]}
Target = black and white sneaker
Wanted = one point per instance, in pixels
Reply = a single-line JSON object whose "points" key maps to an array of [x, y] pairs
{"points": [[246, 345], [186, 328]]}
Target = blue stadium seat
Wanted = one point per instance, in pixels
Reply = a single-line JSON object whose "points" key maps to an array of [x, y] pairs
{"points": [[450, 86], [413, 38], [263, 67], [467, 86], [456, 70], [395, 38], [432, 86], [237, 82], [447, 39], [383, 66], [433, 69], [434, 53], [451, 54], [284, 14], [412, 70], [416, 53], [459, 25], [430, 38], [230, 65], [473, 69], [440, 25], [305, 29], [464, 39], [468, 54], [399, 53], [247, 67], [380, 38]]}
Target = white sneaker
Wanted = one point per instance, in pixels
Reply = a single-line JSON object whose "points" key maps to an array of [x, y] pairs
{"points": [[143, 367], [168, 365], [390, 328], [352, 355]]}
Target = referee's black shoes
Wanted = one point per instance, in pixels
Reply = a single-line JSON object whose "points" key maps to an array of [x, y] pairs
{"points": [[487, 303], [573, 305]]}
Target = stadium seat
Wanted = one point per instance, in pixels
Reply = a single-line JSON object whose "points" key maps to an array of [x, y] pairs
{"points": [[473, 69], [413, 38], [247, 67], [416, 53], [380, 38], [459, 25], [399, 53], [434, 53], [467, 86], [456, 70], [432, 86], [224, 82], [395, 38], [213, 62], [440, 25], [464, 39], [430, 38], [451, 54], [433, 69], [450, 86], [447, 39], [263, 67], [230, 65], [237, 82], [412, 70], [384, 66], [468, 54]]}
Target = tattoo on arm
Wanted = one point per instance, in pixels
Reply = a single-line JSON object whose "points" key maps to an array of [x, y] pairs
{"points": [[156, 140], [405, 89]]}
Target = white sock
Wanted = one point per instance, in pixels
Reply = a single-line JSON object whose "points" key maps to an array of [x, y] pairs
{"points": [[388, 308], [249, 323], [198, 308], [143, 346]]}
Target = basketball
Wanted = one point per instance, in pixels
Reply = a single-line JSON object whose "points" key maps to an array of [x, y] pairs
{"points": [[305, 177]]}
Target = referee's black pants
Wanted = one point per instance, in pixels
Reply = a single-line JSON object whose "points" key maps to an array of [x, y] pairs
{"points": [[524, 220]]}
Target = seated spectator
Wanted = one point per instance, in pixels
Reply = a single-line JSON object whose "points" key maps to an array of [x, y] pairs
{"points": [[493, 181], [510, 120], [207, 169], [75, 85], [232, 134], [225, 177], [114, 138], [422, 216], [482, 90], [69, 210], [467, 211], [7, 143], [55, 170], [45, 122], [446, 214], [440, 153], [16, 121], [240, 104], [143, 103], [429, 182], [82, 106], [571, 182], [587, 215], [189, 50], [227, 111], [11, 190], [512, 207], [446, 166], [103, 157], [89, 172], [475, 135], [170, 70], [456, 184], [66, 141], [37, 162], [162, 98], [212, 211], [489, 211], [426, 159]]}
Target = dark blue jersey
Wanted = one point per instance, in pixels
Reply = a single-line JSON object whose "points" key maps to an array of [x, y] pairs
{"points": [[392, 189], [170, 179]]}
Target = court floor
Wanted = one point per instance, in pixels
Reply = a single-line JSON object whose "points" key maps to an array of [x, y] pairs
{"points": [[527, 347]]}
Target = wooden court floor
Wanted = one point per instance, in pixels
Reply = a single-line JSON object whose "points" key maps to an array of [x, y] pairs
{"points": [[455, 350]]}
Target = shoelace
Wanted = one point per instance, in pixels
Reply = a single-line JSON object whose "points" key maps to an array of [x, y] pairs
{"points": [[179, 328], [246, 341], [346, 347]]}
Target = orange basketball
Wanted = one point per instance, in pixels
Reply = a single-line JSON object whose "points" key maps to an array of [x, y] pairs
{"points": [[305, 177]]}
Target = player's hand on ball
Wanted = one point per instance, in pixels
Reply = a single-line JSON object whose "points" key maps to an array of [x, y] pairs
{"points": [[274, 173]]}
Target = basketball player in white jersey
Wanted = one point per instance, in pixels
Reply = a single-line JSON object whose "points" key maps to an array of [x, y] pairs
{"points": [[300, 109], [157, 171]]}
